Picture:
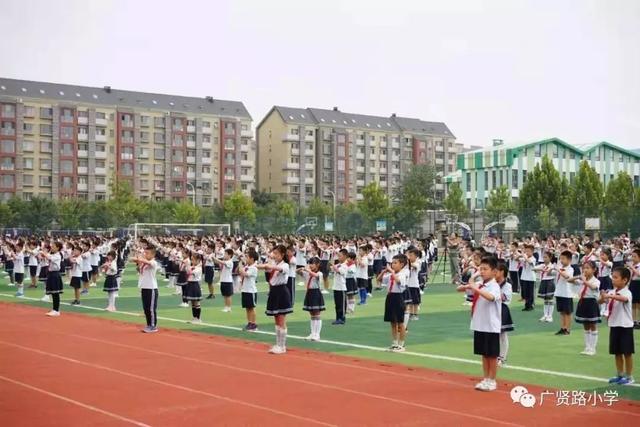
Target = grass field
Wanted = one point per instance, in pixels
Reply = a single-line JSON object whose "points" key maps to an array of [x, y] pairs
{"points": [[440, 339]]}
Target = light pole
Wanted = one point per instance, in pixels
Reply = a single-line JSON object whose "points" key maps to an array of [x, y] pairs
{"points": [[334, 208], [193, 195]]}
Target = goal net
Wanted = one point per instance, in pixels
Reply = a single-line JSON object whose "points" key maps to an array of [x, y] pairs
{"points": [[166, 229]]}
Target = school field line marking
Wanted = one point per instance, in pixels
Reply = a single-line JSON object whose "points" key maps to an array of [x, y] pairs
{"points": [[74, 402], [164, 383], [354, 345]]}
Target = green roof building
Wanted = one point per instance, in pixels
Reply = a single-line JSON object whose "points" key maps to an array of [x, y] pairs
{"points": [[480, 171]]}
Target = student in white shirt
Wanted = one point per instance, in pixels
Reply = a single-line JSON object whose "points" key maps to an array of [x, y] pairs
{"points": [[226, 278], [351, 282], [621, 326], [313, 299], [361, 274], [587, 310], [76, 272], [279, 300], [249, 275], [547, 287], [291, 283], [209, 270], [192, 292], [18, 269], [413, 286], [394, 307], [54, 285], [149, 288], [340, 272], [110, 270], [564, 292], [634, 286], [33, 263], [506, 293], [528, 277], [486, 321]]}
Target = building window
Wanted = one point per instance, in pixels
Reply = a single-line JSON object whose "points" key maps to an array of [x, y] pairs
{"points": [[27, 180], [27, 163], [45, 181], [524, 176], [158, 153], [45, 164], [486, 179], [514, 179], [7, 164], [7, 146], [493, 179], [538, 150]]}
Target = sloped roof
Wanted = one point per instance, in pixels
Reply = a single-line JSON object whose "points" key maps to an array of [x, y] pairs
{"points": [[420, 126]]}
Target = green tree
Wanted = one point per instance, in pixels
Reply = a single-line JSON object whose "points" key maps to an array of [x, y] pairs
{"points": [[454, 203], [585, 196], [99, 216], [318, 209], [186, 213], [239, 207], [349, 219], [618, 204], [262, 199], [498, 203], [7, 217], [374, 204], [38, 213], [543, 187], [547, 220], [72, 214], [124, 207], [414, 196]]}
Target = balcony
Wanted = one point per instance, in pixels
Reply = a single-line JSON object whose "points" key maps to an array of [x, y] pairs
{"points": [[309, 166], [191, 129], [100, 171], [290, 180], [191, 144], [83, 137], [206, 160], [126, 156], [206, 130], [383, 157], [360, 156], [101, 154], [295, 151], [83, 170], [191, 159], [292, 137], [206, 175], [246, 134], [127, 140], [360, 169], [395, 144], [360, 142], [101, 138], [395, 158], [360, 182], [7, 132], [383, 170], [308, 152], [229, 177], [101, 122], [191, 175], [206, 145], [101, 187], [289, 165], [309, 180], [309, 138], [82, 186], [83, 154], [247, 178], [246, 163]]}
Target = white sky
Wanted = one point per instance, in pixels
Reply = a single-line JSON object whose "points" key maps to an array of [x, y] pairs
{"points": [[516, 70]]}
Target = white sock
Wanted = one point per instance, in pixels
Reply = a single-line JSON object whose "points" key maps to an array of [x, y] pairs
{"points": [[401, 343], [313, 326], [318, 327], [550, 315], [278, 336], [406, 320], [594, 340], [112, 299], [587, 339], [504, 345], [283, 339]]}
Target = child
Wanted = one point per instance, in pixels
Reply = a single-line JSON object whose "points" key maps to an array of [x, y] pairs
{"points": [[209, 271], [413, 286], [313, 300], [394, 306], [33, 264], [54, 281], [527, 277], [149, 288], [621, 324], [110, 269], [351, 282], [506, 294], [184, 268], [86, 268], [291, 283], [340, 271], [279, 300], [564, 292], [249, 274], [192, 292], [634, 287], [76, 273], [587, 310], [226, 278], [486, 321], [94, 258], [514, 267], [18, 269], [547, 286], [361, 274], [604, 276]]}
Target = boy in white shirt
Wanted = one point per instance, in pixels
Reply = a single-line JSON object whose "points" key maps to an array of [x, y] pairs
{"points": [[528, 277], [149, 288], [486, 320], [621, 325], [564, 293], [249, 274], [340, 286]]}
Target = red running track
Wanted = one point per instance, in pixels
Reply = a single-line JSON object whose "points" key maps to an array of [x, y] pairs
{"points": [[81, 370]]}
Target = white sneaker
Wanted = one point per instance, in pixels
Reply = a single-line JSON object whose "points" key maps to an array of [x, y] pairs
{"points": [[45, 298], [549, 319], [110, 309], [590, 352], [421, 292], [542, 319], [398, 349], [92, 285], [195, 321], [324, 291], [277, 350], [11, 284], [481, 384], [586, 352], [53, 313], [491, 385], [184, 304], [226, 310], [315, 338]]}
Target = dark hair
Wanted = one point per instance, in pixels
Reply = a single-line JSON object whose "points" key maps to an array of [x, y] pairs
{"points": [[566, 254], [149, 248], [501, 265], [624, 273], [401, 258], [416, 252], [344, 252], [281, 249], [251, 253], [490, 260], [229, 252], [313, 260], [352, 255], [111, 254], [592, 264]]}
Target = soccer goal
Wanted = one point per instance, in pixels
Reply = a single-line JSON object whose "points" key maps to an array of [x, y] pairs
{"points": [[167, 229]]}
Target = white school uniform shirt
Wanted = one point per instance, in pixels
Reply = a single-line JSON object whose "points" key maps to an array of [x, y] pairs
{"points": [[564, 289], [112, 269], [76, 266], [195, 273], [292, 266], [225, 271], [279, 278], [351, 271], [86, 262], [248, 284], [398, 281], [513, 262], [527, 269], [18, 263], [301, 257], [487, 315], [312, 282], [340, 277], [33, 257], [586, 291], [361, 268], [604, 268], [54, 261], [412, 279], [147, 278], [547, 271], [94, 257], [506, 293], [208, 259], [620, 312]]}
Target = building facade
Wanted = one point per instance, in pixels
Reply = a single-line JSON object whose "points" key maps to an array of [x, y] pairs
{"points": [[480, 171], [62, 141], [305, 153]]}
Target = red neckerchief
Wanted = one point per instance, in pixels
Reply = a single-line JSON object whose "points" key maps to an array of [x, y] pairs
{"points": [[610, 308], [309, 281], [392, 281], [476, 295], [584, 290], [559, 272]]}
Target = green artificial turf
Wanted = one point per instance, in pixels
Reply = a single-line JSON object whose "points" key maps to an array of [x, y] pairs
{"points": [[443, 330]]}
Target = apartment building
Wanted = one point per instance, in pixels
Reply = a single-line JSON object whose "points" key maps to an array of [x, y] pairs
{"points": [[482, 170], [59, 140], [311, 152]]}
